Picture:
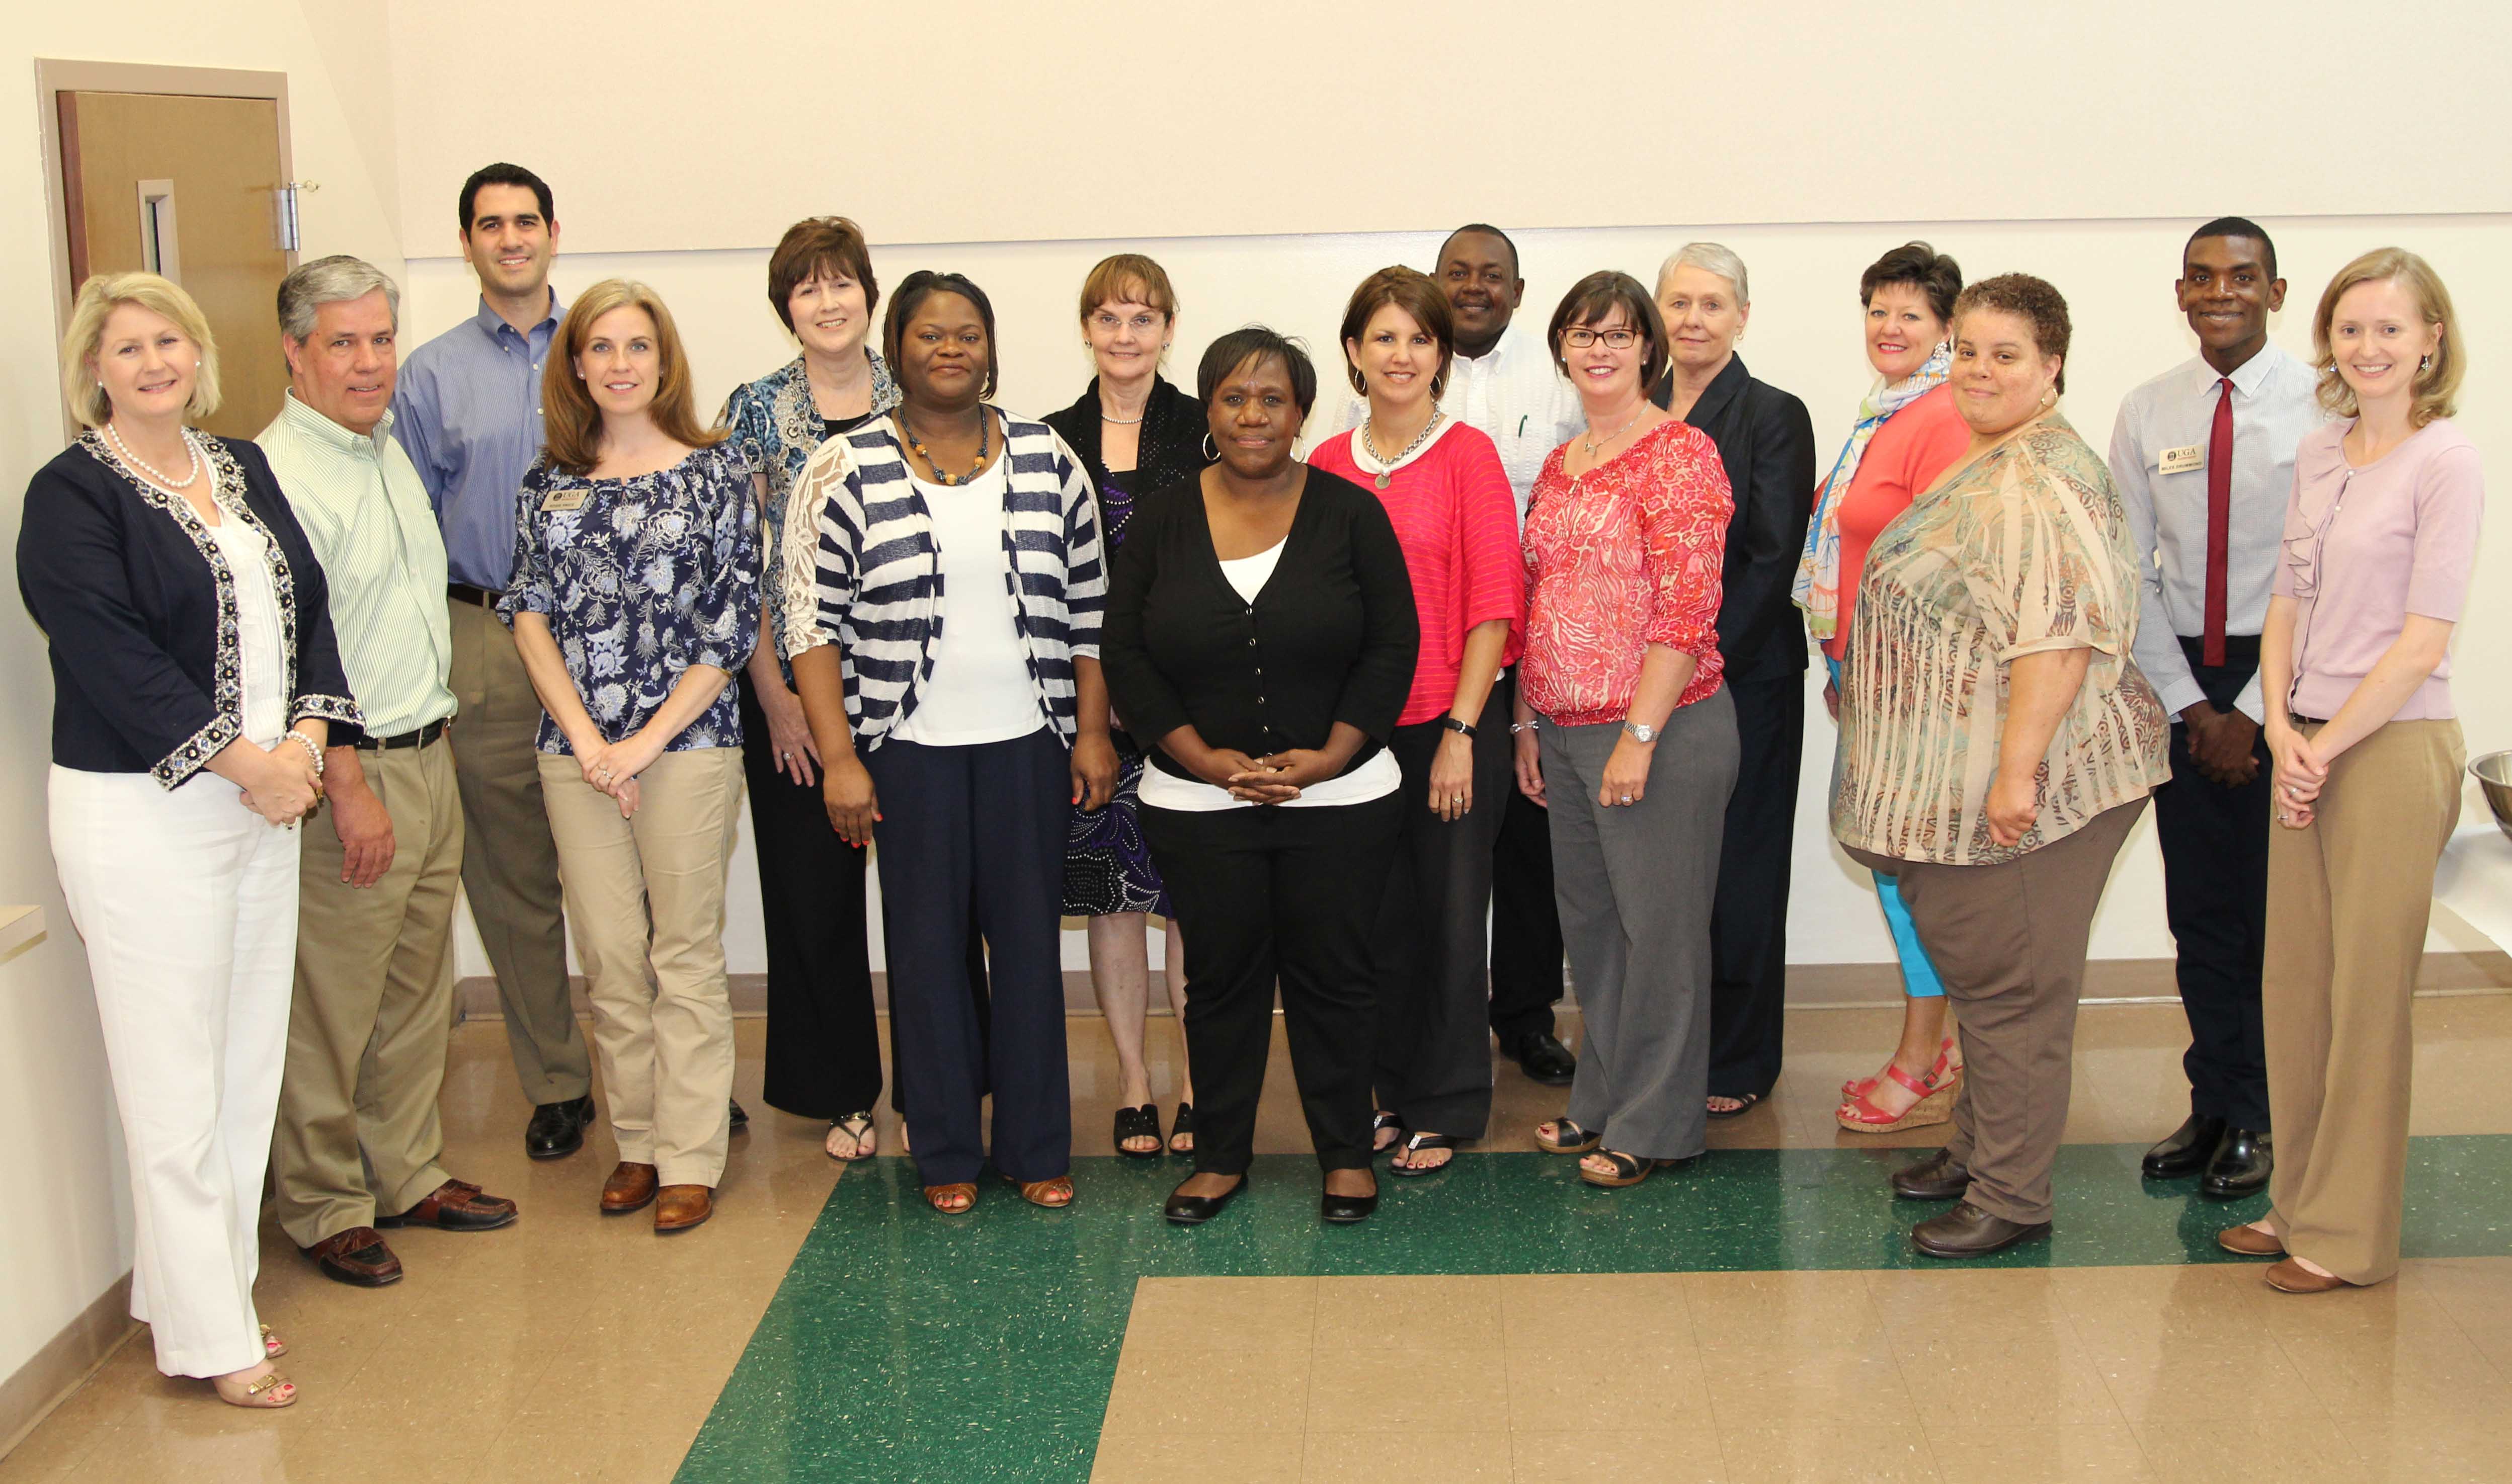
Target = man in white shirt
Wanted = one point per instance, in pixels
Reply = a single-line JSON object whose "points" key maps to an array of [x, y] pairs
{"points": [[1503, 383], [2203, 455]]}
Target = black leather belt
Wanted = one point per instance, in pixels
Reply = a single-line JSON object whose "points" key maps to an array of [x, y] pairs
{"points": [[464, 592], [2307, 720], [419, 738]]}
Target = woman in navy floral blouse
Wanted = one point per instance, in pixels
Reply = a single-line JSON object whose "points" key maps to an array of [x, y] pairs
{"points": [[635, 599]]}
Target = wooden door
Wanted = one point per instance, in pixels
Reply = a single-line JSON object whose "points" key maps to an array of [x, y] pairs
{"points": [[187, 186]]}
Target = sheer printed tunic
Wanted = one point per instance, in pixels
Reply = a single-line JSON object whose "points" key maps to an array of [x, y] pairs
{"points": [[2022, 551]]}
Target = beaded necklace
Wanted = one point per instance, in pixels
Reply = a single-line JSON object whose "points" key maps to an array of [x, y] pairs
{"points": [[985, 430]]}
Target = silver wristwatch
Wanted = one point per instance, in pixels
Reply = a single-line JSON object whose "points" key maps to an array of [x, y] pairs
{"points": [[1642, 730]]}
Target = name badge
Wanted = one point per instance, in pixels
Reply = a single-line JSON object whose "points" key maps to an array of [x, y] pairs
{"points": [[565, 499], [2182, 461]]}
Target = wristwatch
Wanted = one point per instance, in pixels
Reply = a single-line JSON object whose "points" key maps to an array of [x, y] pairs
{"points": [[1641, 731], [1451, 724]]}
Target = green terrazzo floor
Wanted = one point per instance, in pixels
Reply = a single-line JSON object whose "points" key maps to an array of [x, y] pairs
{"points": [[904, 1345]]}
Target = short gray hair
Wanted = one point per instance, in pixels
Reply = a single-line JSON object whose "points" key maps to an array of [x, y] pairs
{"points": [[333, 280], [1709, 257]]}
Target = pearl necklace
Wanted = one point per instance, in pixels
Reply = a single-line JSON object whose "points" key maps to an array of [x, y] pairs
{"points": [[1387, 465], [151, 470]]}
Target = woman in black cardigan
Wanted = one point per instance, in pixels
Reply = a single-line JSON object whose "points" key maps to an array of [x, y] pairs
{"points": [[1136, 434], [190, 634], [1260, 632]]}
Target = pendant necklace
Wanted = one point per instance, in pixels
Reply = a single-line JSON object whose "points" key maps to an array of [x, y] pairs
{"points": [[985, 429], [1386, 466], [1593, 444]]}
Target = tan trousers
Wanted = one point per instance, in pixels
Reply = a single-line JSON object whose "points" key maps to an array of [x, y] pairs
{"points": [[510, 873], [367, 1030], [2348, 898], [2009, 941], [645, 896]]}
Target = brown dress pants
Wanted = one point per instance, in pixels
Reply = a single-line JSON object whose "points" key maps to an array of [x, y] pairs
{"points": [[2009, 941], [2348, 898]]}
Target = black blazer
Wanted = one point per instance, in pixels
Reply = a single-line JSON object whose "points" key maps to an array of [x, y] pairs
{"points": [[1766, 440], [142, 623], [1331, 638], [1170, 444]]}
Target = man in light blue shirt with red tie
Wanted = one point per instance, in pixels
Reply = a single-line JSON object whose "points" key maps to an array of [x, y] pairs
{"points": [[2203, 455]]}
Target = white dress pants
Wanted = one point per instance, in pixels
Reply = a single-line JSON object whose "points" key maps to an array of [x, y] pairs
{"points": [[187, 902]]}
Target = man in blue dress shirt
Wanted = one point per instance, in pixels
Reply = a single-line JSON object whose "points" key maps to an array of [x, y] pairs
{"points": [[2203, 455], [468, 411]]}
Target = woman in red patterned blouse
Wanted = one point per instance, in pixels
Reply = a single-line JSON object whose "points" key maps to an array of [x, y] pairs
{"points": [[1624, 734]]}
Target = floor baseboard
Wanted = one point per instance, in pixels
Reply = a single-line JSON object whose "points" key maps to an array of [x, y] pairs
{"points": [[44, 1381]]}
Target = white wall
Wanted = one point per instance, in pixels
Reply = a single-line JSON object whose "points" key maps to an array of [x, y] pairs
{"points": [[1803, 336], [55, 1098]]}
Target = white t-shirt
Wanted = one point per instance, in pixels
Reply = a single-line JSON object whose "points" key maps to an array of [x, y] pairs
{"points": [[262, 656], [980, 689], [1375, 779]]}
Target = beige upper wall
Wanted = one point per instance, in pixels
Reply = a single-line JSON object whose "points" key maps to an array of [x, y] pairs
{"points": [[982, 122]]}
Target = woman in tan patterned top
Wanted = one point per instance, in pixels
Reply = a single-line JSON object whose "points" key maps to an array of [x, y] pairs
{"points": [[1996, 745]]}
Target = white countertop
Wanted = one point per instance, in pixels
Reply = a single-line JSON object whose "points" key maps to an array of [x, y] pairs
{"points": [[2474, 878]]}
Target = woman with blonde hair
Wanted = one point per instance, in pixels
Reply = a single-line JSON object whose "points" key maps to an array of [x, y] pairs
{"points": [[191, 633], [2380, 538], [635, 599]]}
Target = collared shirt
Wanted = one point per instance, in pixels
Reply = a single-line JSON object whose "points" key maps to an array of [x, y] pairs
{"points": [[366, 514], [468, 410], [2273, 408], [1518, 398]]}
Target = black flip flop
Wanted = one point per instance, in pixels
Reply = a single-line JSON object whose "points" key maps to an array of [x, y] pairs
{"points": [[1142, 1123], [1415, 1145], [1380, 1121], [1743, 1102]]}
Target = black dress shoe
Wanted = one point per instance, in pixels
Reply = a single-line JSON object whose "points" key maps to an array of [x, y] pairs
{"points": [[1936, 1178], [2186, 1152], [556, 1129], [1196, 1210], [2242, 1166], [1343, 1210], [1541, 1055], [733, 1111], [1967, 1230]]}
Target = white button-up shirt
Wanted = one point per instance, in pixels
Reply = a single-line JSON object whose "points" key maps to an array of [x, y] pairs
{"points": [[2273, 406], [1517, 397]]}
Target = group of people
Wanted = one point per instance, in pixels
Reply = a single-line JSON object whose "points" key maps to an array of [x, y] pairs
{"points": [[1518, 642]]}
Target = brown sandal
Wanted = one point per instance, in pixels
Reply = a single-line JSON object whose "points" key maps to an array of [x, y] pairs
{"points": [[272, 1347], [267, 1394], [1628, 1169], [1037, 1192], [959, 1191]]}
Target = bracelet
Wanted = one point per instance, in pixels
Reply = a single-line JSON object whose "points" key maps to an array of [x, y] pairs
{"points": [[311, 750], [1529, 725], [1461, 729]]}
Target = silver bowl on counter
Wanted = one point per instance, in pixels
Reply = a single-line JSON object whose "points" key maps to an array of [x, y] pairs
{"points": [[2493, 775]]}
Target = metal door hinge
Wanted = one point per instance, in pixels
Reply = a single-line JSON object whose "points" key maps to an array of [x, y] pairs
{"points": [[283, 212]]}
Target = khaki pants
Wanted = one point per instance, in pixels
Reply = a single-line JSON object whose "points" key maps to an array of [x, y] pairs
{"points": [[645, 896], [2009, 941], [366, 1032], [510, 873], [2348, 898]]}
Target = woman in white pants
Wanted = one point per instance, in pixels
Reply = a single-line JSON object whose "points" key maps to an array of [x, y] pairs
{"points": [[191, 635]]}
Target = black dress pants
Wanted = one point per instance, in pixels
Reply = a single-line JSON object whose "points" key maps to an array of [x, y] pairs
{"points": [[2215, 843], [1525, 925], [1275, 894], [986, 821], [1434, 1060], [1748, 927]]}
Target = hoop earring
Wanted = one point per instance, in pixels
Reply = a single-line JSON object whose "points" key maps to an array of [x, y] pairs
{"points": [[1211, 454]]}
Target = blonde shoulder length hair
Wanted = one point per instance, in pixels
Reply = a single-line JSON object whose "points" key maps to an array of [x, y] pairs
{"points": [[97, 300], [2436, 386], [572, 424]]}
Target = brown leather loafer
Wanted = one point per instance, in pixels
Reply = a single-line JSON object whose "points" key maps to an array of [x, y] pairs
{"points": [[679, 1207], [2249, 1241], [458, 1205], [630, 1187], [1967, 1230], [2291, 1276], [357, 1257]]}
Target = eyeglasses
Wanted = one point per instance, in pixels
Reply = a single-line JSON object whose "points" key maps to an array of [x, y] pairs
{"points": [[1614, 339], [1109, 324]]}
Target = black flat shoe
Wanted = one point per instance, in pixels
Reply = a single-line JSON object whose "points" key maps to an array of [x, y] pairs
{"points": [[733, 1111], [2243, 1163], [1345, 1210], [1541, 1055], [556, 1129], [1142, 1123], [1967, 1230], [1196, 1210], [2185, 1151], [1934, 1177]]}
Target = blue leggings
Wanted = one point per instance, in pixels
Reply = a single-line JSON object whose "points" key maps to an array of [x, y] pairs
{"points": [[1919, 979]]}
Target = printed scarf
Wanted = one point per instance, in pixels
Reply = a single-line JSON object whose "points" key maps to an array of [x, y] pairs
{"points": [[1817, 589]]}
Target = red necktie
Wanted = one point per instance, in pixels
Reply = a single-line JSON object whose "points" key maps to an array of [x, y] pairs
{"points": [[2219, 518]]}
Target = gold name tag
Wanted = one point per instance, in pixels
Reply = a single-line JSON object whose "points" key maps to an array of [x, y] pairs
{"points": [[2175, 460], [565, 499]]}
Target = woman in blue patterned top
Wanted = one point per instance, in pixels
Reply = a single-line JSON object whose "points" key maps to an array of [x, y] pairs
{"points": [[635, 598]]}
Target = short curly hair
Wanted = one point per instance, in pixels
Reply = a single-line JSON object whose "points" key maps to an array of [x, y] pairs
{"points": [[2030, 299], [1923, 269]]}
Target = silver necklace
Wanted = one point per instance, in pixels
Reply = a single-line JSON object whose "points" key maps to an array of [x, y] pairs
{"points": [[1386, 466], [1592, 443], [151, 470], [1122, 423]]}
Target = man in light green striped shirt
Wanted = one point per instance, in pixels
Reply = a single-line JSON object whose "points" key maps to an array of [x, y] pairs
{"points": [[357, 1141]]}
